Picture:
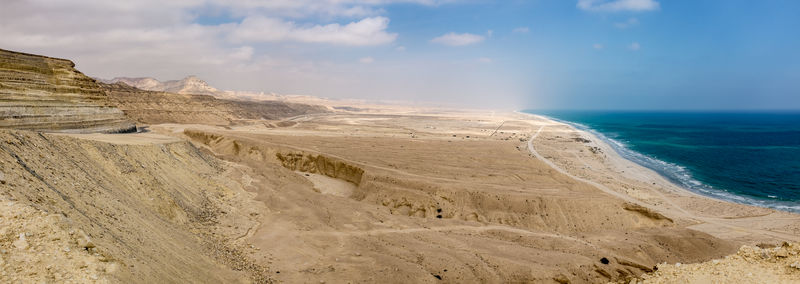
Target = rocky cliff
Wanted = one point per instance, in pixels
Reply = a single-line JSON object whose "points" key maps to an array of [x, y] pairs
{"points": [[43, 93]]}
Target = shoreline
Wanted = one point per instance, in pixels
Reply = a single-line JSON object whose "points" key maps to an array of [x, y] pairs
{"points": [[631, 181], [713, 193]]}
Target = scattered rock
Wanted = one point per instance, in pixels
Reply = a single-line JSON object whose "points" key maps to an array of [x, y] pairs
{"points": [[596, 150], [84, 240], [604, 260], [751, 264], [22, 242], [561, 279], [2, 178]]}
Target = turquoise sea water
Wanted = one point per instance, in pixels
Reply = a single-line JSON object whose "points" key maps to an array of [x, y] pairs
{"points": [[751, 158]]}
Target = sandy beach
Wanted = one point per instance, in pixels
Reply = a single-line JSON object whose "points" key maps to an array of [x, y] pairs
{"points": [[608, 171]]}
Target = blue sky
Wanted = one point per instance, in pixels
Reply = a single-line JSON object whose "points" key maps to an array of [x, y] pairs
{"points": [[548, 54]]}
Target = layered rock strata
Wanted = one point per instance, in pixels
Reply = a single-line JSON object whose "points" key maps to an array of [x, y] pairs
{"points": [[49, 94]]}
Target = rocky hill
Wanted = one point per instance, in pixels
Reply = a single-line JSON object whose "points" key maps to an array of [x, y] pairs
{"points": [[43, 93], [155, 107], [189, 85]]}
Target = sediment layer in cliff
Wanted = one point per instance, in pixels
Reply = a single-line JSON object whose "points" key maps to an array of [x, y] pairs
{"points": [[44, 93]]}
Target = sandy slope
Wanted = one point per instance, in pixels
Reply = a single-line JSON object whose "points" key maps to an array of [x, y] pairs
{"points": [[118, 208]]}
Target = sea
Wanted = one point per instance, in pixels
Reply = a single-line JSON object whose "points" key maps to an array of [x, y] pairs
{"points": [[746, 157]]}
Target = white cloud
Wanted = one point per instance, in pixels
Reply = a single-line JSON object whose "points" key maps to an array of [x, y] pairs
{"points": [[369, 31], [366, 60], [308, 8], [400, 48], [598, 46], [634, 46], [618, 5], [489, 33], [243, 53], [307, 48], [454, 39], [485, 60], [627, 24], [521, 30]]}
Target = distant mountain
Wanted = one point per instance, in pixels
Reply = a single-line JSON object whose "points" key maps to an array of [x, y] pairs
{"points": [[189, 85], [193, 85]]}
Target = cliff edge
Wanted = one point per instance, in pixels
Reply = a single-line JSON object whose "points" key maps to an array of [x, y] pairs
{"points": [[48, 94]]}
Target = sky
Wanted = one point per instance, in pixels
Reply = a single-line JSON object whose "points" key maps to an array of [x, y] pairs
{"points": [[513, 54]]}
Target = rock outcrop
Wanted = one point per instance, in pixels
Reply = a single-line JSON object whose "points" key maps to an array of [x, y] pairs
{"points": [[751, 264], [49, 94], [151, 107]]}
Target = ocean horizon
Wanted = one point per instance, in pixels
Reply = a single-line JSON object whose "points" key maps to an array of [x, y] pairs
{"points": [[748, 157]]}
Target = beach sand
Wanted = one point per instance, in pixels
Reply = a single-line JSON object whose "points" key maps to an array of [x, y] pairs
{"points": [[571, 150]]}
